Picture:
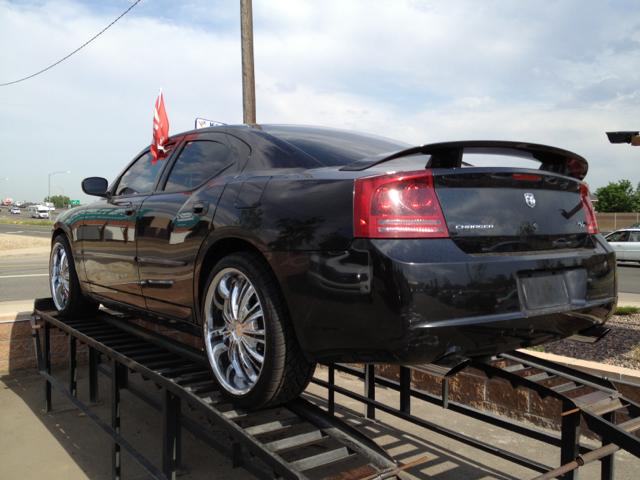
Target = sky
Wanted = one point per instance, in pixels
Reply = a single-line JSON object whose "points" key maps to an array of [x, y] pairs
{"points": [[559, 73]]}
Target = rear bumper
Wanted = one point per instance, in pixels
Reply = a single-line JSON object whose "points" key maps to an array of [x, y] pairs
{"points": [[413, 301]]}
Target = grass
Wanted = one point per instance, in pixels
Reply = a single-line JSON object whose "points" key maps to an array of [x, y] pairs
{"points": [[39, 223], [627, 311], [635, 352], [537, 348]]}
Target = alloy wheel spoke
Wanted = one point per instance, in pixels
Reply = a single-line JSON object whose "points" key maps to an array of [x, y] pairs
{"points": [[227, 314], [245, 361], [64, 269], [234, 356], [217, 332], [63, 259], [255, 334], [252, 318], [247, 294], [235, 293], [60, 294], [251, 350]]}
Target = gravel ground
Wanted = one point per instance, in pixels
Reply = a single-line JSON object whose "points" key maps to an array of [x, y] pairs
{"points": [[12, 242], [616, 348]]}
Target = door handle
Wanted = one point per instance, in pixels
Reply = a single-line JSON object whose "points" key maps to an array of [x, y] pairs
{"points": [[201, 208], [130, 211]]}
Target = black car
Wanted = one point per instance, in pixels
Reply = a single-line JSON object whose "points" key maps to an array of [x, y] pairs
{"points": [[283, 246]]}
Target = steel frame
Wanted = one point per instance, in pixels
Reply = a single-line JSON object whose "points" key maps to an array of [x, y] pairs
{"points": [[572, 453], [179, 371]]}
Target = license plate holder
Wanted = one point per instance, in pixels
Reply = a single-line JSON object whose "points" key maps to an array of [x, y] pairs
{"points": [[549, 290]]}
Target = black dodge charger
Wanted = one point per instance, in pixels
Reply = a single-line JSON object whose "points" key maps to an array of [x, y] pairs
{"points": [[282, 246]]}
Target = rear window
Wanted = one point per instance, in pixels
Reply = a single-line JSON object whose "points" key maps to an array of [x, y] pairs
{"points": [[334, 148]]}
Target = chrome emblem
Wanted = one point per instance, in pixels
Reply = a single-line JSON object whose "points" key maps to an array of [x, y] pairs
{"points": [[530, 200]]}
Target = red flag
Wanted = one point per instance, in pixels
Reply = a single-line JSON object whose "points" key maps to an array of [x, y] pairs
{"points": [[160, 128]]}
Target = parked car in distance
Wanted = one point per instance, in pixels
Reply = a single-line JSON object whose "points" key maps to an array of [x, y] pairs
{"points": [[283, 246], [14, 210], [626, 244]]}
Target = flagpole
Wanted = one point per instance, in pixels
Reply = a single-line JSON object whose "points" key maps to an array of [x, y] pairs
{"points": [[248, 78]]}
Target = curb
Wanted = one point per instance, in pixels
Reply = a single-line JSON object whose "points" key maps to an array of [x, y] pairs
{"points": [[610, 372], [14, 317]]}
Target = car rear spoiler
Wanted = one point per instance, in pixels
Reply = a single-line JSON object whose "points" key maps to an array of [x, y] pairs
{"points": [[449, 155]]}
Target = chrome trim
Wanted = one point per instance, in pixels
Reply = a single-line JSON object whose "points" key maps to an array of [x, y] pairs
{"points": [[161, 261], [110, 256]]}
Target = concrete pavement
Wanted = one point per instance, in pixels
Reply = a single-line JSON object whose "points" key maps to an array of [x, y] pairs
{"points": [[21, 252]]}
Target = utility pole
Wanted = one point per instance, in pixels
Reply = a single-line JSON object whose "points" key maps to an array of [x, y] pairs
{"points": [[248, 78]]}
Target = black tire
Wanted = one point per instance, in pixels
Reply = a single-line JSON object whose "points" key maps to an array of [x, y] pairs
{"points": [[259, 328], [63, 282]]}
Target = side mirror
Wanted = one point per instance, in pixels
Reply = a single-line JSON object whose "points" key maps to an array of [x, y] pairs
{"points": [[95, 186]]}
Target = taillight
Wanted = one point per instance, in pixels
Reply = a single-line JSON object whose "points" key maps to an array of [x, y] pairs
{"points": [[399, 205], [592, 222]]}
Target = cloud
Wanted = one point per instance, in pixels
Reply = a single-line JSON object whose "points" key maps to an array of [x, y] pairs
{"points": [[559, 73]]}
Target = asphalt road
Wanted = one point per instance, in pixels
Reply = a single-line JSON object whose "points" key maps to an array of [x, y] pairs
{"points": [[25, 278], [26, 230], [629, 277], [24, 214]]}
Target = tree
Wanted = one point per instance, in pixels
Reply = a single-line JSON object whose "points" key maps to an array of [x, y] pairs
{"points": [[618, 197], [59, 201]]}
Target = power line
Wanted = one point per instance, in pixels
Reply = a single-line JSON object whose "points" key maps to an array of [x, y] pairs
{"points": [[75, 51]]}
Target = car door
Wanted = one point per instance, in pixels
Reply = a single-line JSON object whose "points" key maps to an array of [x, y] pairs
{"points": [[175, 220], [109, 232], [632, 248], [618, 241]]}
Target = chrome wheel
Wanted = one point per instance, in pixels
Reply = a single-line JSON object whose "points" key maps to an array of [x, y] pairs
{"points": [[59, 277], [234, 331]]}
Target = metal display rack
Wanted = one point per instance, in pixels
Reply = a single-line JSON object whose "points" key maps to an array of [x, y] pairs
{"points": [[120, 348], [593, 399], [262, 441]]}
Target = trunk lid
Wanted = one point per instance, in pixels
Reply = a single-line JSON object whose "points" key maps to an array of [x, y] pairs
{"points": [[497, 210]]}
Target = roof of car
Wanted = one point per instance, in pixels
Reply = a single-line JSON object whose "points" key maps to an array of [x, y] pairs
{"points": [[354, 150], [625, 230]]}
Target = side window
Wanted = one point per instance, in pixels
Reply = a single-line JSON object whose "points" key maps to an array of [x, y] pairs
{"points": [[618, 237], [141, 176], [198, 161], [635, 237]]}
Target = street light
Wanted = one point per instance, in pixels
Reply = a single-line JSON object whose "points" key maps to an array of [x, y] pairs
{"points": [[49, 208]]}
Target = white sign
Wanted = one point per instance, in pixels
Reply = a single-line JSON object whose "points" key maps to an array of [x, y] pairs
{"points": [[203, 123]]}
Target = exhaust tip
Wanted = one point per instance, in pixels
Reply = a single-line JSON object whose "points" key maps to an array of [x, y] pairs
{"points": [[590, 335]]}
